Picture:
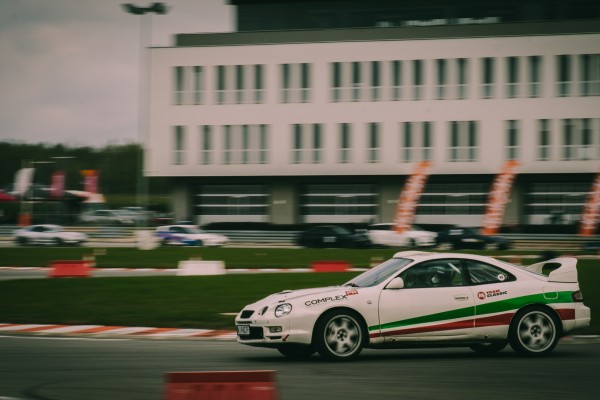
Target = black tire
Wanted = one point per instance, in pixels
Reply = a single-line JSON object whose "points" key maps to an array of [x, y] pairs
{"points": [[488, 348], [296, 352], [57, 242], [21, 241], [412, 243], [534, 331], [339, 335]]}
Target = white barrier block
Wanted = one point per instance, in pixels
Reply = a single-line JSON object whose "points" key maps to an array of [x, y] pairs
{"points": [[197, 267]]}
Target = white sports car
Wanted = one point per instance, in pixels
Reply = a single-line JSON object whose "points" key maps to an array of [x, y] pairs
{"points": [[424, 299], [48, 234]]}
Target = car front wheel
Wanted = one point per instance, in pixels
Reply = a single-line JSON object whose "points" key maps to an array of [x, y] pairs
{"points": [[339, 336], [534, 332]]}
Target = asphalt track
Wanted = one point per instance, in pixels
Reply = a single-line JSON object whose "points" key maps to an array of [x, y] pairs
{"points": [[65, 368]]}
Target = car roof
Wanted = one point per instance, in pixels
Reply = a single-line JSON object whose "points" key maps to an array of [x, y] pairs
{"points": [[428, 255]]}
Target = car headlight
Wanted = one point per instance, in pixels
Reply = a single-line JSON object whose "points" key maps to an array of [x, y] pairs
{"points": [[283, 309]]}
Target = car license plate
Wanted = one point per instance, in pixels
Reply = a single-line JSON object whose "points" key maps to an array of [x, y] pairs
{"points": [[243, 330]]}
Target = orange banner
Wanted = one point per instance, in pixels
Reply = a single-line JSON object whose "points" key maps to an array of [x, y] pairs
{"points": [[90, 180], [409, 198], [590, 216], [498, 197]]}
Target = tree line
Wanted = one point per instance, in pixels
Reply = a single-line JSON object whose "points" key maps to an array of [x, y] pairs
{"points": [[118, 165]]}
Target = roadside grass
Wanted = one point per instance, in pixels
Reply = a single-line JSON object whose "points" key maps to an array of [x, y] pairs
{"points": [[190, 302], [169, 257], [185, 302]]}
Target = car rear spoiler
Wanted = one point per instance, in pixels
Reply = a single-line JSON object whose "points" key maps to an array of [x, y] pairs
{"points": [[562, 269]]}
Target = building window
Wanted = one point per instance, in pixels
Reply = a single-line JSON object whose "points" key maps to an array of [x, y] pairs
{"points": [[373, 142], [206, 145], [233, 203], [535, 76], [441, 79], [462, 78], [295, 83], [512, 77], [396, 79], [512, 140], [178, 145], [259, 86], [555, 203], [463, 141], [345, 155], [417, 79], [338, 203], [578, 139], [416, 141], [356, 82], [563, 75], [307, 144], [544, 140], [590, 74], [453, 199], [239, 84], [245, 144], [189, 85], [375, 81], [487, 78], [179, 78], [336, 82]]}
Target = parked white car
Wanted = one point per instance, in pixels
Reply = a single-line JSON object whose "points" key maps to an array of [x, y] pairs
{"points": [[418, 299], [48, 234], [109, 217], [386, 235], [189, 235]]}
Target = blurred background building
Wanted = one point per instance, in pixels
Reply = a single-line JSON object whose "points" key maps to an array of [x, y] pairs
{"points": [[318, 111]]}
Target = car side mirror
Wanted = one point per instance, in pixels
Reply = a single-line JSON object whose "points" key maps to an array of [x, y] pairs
{"points": [[396, 283]]}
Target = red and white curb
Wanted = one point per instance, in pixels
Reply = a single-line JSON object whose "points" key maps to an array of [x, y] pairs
{"points": [[101, 330]]}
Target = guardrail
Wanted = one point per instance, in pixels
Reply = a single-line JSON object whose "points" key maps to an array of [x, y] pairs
{"points": [[521, 241]]}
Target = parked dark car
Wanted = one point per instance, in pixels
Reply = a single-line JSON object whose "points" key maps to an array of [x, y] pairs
{"points": [[471, 238], [332, 236]]}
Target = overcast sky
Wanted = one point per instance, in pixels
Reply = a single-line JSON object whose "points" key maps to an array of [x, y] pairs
{"points": [[69, 68]]}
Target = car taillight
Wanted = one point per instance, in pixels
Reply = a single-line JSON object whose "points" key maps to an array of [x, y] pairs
{"points": [[577, 296]]}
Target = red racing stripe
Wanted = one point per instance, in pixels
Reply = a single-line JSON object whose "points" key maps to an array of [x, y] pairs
{"points": [[466, 324], [566, 313], [494, 320]]}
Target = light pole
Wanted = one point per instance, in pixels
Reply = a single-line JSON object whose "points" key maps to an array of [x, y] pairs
{"points": [[145, 31]]}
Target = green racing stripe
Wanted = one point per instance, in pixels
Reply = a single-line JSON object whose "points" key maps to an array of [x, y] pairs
{"points": [[479, 310]]}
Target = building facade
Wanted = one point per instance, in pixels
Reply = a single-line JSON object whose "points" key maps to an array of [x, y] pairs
{"points": [[326, 125]]}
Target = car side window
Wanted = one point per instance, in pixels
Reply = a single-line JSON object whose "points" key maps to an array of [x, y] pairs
{"points": [[430, 274], [481, 273]]}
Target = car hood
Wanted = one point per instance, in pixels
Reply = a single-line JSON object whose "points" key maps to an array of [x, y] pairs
{"points": [[291, 295]]}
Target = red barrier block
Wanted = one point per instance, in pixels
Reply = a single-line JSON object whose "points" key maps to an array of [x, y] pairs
{"points": [[221, 385], [69, 268], [330, 266]]}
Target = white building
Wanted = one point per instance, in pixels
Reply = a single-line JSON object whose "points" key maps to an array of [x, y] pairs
{"points": [[325, 125]]}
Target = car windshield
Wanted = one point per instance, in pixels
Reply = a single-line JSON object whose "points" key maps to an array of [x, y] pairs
{"points": [[380, 273]]}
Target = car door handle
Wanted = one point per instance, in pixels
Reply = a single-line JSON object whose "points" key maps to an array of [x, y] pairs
{"points": [[461, 297]]}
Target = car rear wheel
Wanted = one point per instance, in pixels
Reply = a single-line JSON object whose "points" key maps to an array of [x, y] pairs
{"points": [[339, 335], [296, 352], [21, 241], [534, 332], [488, 348]]}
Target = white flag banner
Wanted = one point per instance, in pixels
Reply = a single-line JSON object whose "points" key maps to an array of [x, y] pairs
{"points": [[23, 180]]}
